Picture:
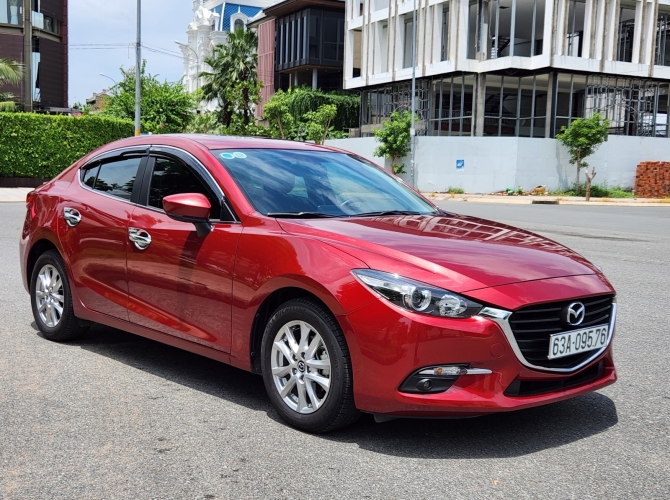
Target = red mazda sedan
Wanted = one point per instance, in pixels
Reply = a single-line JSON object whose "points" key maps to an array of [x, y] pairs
{"points": [[344, 288]]}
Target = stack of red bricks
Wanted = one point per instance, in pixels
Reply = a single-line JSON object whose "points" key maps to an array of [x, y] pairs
{"points": [[652, 179]]}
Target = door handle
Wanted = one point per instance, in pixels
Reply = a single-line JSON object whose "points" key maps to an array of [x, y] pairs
{"points": [[140, 238], [72, 216]]}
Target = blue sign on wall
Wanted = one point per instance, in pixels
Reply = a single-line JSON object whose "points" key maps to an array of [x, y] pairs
{"points": [[460, 164]]}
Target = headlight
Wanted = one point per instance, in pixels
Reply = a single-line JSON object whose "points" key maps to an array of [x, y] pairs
{"points": [[416, 296]]}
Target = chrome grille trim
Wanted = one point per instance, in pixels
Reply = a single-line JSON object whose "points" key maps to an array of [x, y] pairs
{"points": [[507, 330]]}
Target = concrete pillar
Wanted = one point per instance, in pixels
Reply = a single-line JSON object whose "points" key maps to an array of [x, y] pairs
{"points": [[480, 99], [315, 78], [639, 28], [648, 42]]}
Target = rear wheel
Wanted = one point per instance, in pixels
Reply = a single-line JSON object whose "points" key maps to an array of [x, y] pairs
{"points": [[306, 367], [52, 301]]}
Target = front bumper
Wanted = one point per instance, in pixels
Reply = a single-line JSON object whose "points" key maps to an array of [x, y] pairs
{"points": [[391, 343]]}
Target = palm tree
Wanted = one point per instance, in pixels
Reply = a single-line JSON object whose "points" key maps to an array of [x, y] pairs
{"points": [[233, 81], [10, 73]]}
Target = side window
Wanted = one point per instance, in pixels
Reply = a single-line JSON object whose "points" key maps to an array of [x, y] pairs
{"points": [[88, 175], [173, 177], [116, 177]]}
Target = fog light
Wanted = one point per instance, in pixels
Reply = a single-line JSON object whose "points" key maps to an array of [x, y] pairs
{"points": [[433, 379], [444, 371]]}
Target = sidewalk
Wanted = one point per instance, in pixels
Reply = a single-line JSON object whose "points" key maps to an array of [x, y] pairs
{"points": [[561, 200], [14, 194]]}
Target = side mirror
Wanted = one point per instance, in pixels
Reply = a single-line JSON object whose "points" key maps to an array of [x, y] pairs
{"points": [[190, 207]]}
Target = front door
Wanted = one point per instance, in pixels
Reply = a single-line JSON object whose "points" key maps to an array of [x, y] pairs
{"points": [[94, 231], [179, 283]]}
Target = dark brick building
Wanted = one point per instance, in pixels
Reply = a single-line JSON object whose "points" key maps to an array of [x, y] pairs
{"points": [[35, 33]]}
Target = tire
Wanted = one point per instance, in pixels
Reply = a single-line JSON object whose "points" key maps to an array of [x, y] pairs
{"points": [[51, 299], [323, 358]]}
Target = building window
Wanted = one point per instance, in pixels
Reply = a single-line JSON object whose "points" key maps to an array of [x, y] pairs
{"points": [[452, 106], [517, 28], [407, 40], [444, 54], [626, 32], [314, 34], [575, 37], [515, 106], [238, 25], [663, 38], [381, 53], [633, 106], [570, 99], [377, 104], [11, 11], [51, 25]]}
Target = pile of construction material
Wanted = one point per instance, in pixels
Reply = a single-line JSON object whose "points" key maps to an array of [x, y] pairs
{"points": [[652, 179]]}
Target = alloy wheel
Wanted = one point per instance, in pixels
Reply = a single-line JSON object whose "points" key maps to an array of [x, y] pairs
{"points": [[49, 296], [301, 367]]}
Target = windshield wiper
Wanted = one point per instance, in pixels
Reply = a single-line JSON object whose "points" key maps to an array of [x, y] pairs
{"points": [[301, 215], [387, 212]]}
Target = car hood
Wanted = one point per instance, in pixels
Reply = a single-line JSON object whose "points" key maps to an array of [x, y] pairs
{"points": [[459, 252]]}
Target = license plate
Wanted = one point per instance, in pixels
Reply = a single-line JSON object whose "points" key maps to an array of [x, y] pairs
{"points": [[576, 341]]}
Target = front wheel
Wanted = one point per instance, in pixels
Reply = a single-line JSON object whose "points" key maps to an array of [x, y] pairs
{"points": [[306, 367], [51, 299]]}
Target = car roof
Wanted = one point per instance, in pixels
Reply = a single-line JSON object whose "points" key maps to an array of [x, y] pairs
{"points": [[237, 142], [219, 142]]}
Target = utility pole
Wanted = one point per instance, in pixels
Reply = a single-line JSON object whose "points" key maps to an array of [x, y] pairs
{"points": [[412, 128], [27, 55], [138, 68]]}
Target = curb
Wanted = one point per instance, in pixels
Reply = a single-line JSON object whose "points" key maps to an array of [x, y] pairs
{"points": [[549, 200]]}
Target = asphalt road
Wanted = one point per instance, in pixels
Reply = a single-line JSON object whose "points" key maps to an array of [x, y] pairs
{"points": [[118, 416]]}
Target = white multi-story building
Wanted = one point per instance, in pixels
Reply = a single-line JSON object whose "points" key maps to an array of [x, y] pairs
{"points": [[212, 20], [512, 67]]}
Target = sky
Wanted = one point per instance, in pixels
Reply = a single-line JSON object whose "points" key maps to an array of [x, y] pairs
{"points": [[95, 23]]}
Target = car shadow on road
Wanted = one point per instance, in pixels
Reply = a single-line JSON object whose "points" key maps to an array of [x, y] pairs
{"points": [[495, 436]]}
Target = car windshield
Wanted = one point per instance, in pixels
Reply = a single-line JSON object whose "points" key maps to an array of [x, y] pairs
{"points": [[311, 184]]}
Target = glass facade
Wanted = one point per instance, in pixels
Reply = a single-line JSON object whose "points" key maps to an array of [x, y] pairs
{"points": [[516, 106], [531, 105], [310, 37]]}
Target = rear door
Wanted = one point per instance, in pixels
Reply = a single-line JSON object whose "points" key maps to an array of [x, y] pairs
{"points": [[180, 283], [94, 229]]}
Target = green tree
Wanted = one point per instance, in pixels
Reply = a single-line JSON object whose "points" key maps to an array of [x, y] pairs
{"points": [[395, 138], [582, 139], [233, 81], [166, 107], [318, 122], [276, 111], [10, 73]]}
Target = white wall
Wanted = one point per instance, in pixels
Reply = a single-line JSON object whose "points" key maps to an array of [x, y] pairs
{"points": [[496, 163]]}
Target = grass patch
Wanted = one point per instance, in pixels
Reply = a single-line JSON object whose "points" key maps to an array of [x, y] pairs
{"points": [[455, 190], [598, 191]]}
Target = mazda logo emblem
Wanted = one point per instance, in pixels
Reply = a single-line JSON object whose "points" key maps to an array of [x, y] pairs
{"points": [[575, 313]]}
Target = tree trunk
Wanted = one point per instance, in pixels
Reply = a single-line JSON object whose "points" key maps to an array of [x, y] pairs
{"points": [[579, 162], [589, 179], [281, 129]]}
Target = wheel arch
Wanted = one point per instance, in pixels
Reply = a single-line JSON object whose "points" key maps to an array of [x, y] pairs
{"points": [[39, 247], [265, 311]]}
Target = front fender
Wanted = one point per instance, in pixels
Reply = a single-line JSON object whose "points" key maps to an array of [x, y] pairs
{"points": [[268, 261]]}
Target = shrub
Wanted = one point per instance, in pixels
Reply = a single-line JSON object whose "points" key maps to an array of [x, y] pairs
{"points": [[291, 108], [395, 139], [41, 146]]}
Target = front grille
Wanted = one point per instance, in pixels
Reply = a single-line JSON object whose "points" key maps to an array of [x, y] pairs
{"points": [[533, 325]]}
